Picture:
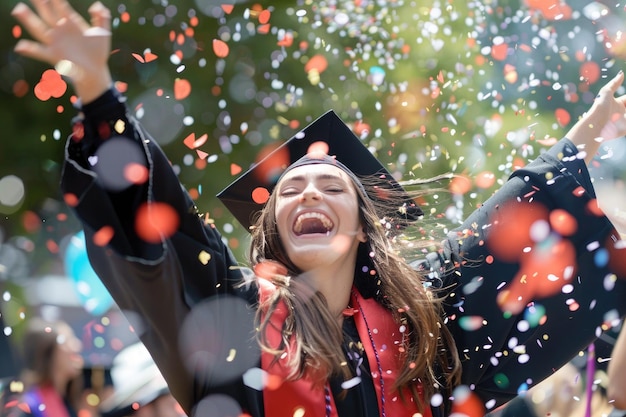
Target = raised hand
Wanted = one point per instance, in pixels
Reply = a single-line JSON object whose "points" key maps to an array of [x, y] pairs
{"points": [[62, 38], [605, 120]]}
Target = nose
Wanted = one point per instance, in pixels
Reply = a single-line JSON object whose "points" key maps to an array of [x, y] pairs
{"points": [[310, 193]]}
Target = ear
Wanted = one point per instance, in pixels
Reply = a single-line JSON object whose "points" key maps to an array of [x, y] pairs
{"points": [[361, 235]]}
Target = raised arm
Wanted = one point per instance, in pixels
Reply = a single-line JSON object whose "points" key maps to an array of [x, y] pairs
{"points": [[605, 120], [62, 38]]}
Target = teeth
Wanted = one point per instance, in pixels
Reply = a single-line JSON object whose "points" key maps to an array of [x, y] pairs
{"points": [[326, 222]]}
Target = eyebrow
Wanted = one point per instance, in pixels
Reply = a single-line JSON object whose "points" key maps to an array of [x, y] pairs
{"points": [[321, 176]]}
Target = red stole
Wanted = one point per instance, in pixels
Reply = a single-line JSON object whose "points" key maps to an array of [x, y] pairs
{"points": [[381, 339], [45, 401]]}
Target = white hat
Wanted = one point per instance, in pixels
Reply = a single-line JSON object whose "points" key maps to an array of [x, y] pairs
{"points": [[136, 380]]}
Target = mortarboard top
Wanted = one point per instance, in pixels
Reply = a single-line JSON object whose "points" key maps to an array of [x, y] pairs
{"points": [[247, 194]]}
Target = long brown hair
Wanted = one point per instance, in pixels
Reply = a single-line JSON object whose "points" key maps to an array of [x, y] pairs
{"points": [[430, 352], [39, 344]]}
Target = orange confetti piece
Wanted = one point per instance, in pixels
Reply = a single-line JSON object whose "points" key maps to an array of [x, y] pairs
{"points": [[228, 8], [563, 222], [318, 63], [16, 31], [125, 17], [260, 195], [499, 52], [103, 236], [562, 117], [31, 221], [138, 57], [317, 149], [149, 56], [70, 199], [192, 143], [590, 71], [201, 154], [122, 87], [156, 221], [220, 48], [460, 185], [287, 40], [52, 246], [263, 29], [485, 179], [235, 169], [182, 88], [264, 16], [136, 173], [274, 166]]}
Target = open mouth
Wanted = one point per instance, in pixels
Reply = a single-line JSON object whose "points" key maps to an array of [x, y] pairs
{"points": [[312, 223]]}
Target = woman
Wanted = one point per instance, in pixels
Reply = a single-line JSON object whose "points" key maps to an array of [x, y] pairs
{"points": [[344, 325], [53, 371]]}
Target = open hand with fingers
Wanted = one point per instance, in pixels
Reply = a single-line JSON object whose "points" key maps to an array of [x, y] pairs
{"points": [[63, 38], [605, 120]]}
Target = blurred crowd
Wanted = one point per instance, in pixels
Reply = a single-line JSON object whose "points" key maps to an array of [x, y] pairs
{"points": [[55, 382]]}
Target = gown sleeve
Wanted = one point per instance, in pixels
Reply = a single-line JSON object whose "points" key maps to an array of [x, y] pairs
{"points": [[158, 283], [531, 278]]}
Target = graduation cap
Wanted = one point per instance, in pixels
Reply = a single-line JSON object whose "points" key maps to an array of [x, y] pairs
{"points": [[247, 194]]}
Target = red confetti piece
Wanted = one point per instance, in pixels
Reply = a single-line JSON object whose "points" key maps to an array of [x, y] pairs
{"points": [[192, 143], [466, 403], [52, 246], [317, 149], [499, 52], [594, 208], [182, 88], [260, 195], [136, 173], [562, 117], [220, 48], [318, 63], [485, 179], [264, 16], [147, 57], [103, 236], [50, 85], [275, 164], [156, 221], [510, 233], [562, 222], [235, 169], [287, 40], [590, 71], [16, 31], [460, 184], [31, 221], [70, 199]]}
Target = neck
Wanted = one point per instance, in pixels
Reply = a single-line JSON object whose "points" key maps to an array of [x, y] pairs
{"points": [[336, 287]]}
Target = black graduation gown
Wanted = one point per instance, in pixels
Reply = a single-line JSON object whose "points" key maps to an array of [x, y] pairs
{"points": [[170, 288]]}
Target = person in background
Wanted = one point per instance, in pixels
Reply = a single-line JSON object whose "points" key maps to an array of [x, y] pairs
{"points": [[139, 388], [52, 377]]}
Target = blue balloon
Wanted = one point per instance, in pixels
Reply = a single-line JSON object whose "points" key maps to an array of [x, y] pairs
{"points": [[93, 295]]}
